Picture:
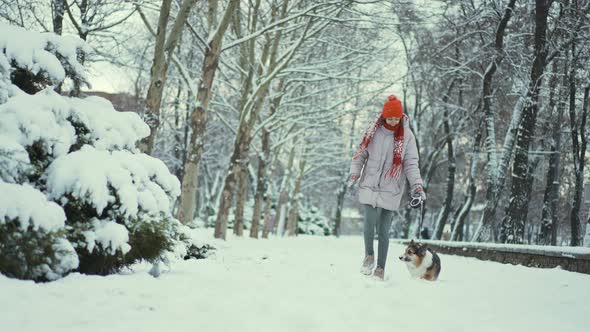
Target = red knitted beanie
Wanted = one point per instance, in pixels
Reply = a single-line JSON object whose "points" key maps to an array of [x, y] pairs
{"points": [[392, 108]]}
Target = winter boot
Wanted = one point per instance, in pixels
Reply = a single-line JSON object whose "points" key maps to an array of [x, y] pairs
{"points": [[379, 273], [368, 265]]}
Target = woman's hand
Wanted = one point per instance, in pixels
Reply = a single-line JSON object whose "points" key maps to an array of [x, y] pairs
{"points": [[351, 184], [418, 194], [352, 179]]}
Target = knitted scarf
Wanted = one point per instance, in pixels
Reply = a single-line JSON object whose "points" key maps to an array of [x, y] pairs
{"points": [[398, 144]]}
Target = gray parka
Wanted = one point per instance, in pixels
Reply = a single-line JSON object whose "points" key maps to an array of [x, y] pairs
{"points": [[374, 188]]}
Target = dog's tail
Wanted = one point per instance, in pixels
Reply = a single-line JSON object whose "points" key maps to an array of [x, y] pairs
{"points": [[435, 261]]}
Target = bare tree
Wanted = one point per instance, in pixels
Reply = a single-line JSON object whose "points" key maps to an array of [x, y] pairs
{"points": [[164, 49], [199, 114], [494, 187], [548, 234], [513, 224], [250, 111]]}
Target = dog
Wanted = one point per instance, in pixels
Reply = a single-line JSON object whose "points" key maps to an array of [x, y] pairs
{"points": [[421, 261]]}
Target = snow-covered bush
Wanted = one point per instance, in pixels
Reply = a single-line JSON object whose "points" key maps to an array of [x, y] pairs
{"points": [[33, 243], [79, 153], [312, 221]]}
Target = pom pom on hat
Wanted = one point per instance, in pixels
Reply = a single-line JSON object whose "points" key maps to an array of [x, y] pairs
{"points": [[392, 108]]}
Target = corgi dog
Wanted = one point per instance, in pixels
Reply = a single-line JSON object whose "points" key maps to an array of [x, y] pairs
{"points": [[421, 261]]}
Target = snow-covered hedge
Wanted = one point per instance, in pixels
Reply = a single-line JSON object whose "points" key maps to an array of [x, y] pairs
{"points": [[71, 177]]}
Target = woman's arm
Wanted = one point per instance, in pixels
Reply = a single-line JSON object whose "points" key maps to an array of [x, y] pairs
{"points": [[411, 163], [357, 165]]}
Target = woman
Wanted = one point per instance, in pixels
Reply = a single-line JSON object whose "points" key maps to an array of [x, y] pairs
{"points": [[387, 156]]}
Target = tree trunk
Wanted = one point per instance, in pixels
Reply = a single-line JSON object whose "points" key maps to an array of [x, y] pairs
{"points": [[263, 161], [493, 190], [186, 128], [344, 178], [235, 172], [294, 210], [59, 8], [548, 233], [339, 206], [178, 123], [284, 193], [165, 47], [246, 61], [269, 226], [488, 110], [212, 195], [486, 228], [471, 191], [237, 168], [199, 118], [241, 198], [266, 229], [513, 224], [261, 185], [83, 34], [587, 235], [157, 80], [448, 204], [579, 151]]}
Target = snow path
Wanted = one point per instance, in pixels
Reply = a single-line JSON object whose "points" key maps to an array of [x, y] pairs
{"points": [[301, 284]]}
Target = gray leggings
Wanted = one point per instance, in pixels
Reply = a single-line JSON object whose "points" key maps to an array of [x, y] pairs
{"points": [[381, 218]]}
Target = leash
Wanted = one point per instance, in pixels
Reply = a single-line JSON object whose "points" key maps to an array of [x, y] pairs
{"points": [[417, 200], [421, 219]]}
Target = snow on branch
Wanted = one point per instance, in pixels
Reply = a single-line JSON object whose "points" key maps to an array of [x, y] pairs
{"points": [[140, 182], [47, 53], [278, 23], [30, 208], [50, 118]]}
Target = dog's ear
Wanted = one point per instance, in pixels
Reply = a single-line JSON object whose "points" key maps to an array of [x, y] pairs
{"points": [[422, 249]]}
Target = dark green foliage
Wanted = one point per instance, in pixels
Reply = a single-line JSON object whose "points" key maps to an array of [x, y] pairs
{"points": [[40, 160], [196, 252], [23, 254], [28, 82], [99, 261], [82, 135], [148, 239], [78, 211]]}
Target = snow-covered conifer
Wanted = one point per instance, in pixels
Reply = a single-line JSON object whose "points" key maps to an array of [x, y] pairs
{"points": [[79, 193]]}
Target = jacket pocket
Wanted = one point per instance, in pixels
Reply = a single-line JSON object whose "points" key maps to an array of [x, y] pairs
{"points": [[370, 176], [392, 186]]}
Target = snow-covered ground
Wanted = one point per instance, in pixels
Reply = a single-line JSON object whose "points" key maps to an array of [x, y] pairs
{"points": [[301, 284]]}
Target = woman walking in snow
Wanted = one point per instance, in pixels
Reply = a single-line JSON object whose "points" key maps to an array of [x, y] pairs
{"points": [[387, 156]]}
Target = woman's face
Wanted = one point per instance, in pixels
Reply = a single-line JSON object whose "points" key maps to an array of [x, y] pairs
{"points": [[392, 121]]}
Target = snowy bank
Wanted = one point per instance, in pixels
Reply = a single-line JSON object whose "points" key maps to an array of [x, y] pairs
{"points": [[576, 259]]}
